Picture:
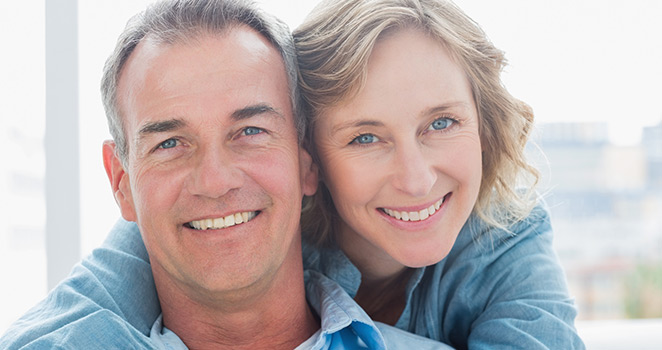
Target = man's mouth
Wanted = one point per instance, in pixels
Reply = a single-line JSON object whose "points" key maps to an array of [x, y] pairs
{"points": [[219, 223], [415, 215]]}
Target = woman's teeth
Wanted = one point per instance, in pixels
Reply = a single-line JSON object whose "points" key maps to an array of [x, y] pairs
{"points": [[414, 215], [228, 221]]}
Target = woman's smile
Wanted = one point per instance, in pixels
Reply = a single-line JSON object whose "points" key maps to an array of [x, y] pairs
{"points": [[415, 215], [402, 159]]}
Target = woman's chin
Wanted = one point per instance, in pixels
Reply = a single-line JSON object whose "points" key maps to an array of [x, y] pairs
{"points": [[418, 258]]}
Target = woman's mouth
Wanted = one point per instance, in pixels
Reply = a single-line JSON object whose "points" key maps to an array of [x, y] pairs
{"points": [[420, 215]]}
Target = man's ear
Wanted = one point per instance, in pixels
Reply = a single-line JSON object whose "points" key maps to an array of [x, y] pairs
{"points": [[119, 181], [309, 173]]}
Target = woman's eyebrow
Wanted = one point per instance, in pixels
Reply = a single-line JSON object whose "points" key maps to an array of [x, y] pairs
{"points": [[426, 112], [445, 107], [357, 123]]}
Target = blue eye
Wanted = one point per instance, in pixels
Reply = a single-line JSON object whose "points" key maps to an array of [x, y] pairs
{"points": [[442, 123], [251, 130], [169, 143], [365, 139]]}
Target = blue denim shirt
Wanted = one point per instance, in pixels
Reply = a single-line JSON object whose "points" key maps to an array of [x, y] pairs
{"points": [[109, 302], [344, 325], [493, 290]]}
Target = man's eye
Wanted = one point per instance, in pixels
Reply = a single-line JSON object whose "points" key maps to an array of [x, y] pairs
{"points": [[169, 143], [441, 124], [251, 130], [365, 139]]}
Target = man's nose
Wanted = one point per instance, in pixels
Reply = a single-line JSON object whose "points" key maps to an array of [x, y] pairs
{"points": [[215, 173], [414, 173]]}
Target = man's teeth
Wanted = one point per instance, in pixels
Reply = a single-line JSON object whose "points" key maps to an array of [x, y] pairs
{"points": [[228, 221], [415, 215]]}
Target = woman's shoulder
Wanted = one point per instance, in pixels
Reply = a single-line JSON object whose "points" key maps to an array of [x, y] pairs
{"points": [[479, 237], [489, 281], [487, 252]]}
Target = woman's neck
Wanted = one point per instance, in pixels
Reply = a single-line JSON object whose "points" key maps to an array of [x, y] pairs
{"points": [[383, 279], [384, 300]]}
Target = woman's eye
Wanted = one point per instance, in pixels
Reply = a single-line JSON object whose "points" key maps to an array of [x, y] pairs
{"points": [[365, 139], [251, 130], [169, 143], [441, 124]]}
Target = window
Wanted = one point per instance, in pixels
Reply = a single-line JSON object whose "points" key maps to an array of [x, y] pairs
{"points": [[22, 169]]}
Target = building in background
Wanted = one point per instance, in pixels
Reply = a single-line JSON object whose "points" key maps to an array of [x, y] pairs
{"points": [[651, 140], [606, 204]]}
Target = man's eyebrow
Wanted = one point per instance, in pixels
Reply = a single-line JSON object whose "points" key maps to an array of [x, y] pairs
{"points": [[253, 110], [161, 126], [174, 124]]}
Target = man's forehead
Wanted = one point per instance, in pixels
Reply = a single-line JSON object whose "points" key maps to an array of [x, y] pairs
{"points": [[229, 66]]}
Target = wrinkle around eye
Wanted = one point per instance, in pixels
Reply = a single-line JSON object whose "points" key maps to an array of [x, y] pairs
{"points": [[252, 130], [443, 123], [364, 139], [169, 143]]}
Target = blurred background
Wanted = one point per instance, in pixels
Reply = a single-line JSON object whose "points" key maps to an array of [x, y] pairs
{"points": [[589, 68]]}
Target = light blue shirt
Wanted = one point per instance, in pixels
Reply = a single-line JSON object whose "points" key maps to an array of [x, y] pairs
{"points": [[109, 302], [344, 324], [495, 290]]}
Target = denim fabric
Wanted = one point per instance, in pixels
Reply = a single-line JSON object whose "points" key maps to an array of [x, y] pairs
{"points": [[494, 290], [109, 293], [344, 325]]}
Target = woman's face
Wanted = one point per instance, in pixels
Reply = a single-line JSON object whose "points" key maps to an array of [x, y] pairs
{"points": [[402, 159]]}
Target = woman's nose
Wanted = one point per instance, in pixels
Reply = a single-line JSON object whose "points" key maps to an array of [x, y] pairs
{"points": [[415, 174]]}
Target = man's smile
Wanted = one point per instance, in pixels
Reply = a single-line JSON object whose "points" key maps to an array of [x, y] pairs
{"points": [[223, 222]]}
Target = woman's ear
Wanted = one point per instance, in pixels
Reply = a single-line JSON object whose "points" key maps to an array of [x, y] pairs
{"points": [[119, 181]]}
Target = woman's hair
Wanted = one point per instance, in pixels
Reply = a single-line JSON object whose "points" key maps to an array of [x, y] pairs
{"points": [[181, 21], [333, 46]]}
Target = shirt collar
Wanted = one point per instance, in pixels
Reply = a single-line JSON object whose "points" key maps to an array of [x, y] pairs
{"points": [[338, 311], [332, 262]]}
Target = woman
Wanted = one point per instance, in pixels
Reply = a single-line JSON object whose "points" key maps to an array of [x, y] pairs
{"points": [[417, 218], [420, 145]]}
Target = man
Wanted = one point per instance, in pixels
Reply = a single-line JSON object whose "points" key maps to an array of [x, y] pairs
{"points": [[206, 158], [210, 172]]}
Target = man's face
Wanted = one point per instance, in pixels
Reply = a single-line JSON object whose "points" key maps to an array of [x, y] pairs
{"points": [[214, 174]]}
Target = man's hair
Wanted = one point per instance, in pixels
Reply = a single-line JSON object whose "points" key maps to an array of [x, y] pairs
{"points": [[180, 21], [333, 46]]}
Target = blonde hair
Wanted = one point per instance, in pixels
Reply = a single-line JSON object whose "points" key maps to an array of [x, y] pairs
{"points": [[333, 46]]}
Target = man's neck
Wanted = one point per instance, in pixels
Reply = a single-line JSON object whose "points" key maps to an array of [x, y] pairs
{"points": [[274, 317]]}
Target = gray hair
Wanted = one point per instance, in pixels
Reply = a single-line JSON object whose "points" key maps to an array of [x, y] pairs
{"points": [[176, 21]]}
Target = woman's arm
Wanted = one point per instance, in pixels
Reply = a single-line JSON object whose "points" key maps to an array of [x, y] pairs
{"points": [[114, 283], [527, 304], [500, 290]]}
